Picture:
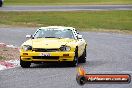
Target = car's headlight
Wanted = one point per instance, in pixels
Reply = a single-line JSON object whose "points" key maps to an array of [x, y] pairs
{"points": [[26, 47], [65, 48]]}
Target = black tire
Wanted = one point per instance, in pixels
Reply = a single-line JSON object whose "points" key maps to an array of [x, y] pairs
{"points": [[25, 64], [83, 57], [1, 3], [75, 61]]}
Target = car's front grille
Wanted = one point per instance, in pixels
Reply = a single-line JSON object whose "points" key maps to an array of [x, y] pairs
{"points": [[46, 57], [45, 50]]}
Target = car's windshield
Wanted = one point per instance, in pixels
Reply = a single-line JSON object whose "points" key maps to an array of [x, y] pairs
{"points": [[45, 33]]}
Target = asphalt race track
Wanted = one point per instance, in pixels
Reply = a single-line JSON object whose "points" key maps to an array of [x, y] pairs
{"points": [[67, 8], [106, 53]]}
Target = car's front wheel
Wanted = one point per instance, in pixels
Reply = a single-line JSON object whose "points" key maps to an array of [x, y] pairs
{"points": [[83, 57], [1, 3], [75, 61], [24, 64]]}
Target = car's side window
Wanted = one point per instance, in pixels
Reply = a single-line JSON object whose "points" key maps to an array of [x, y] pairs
{"points": [[75, 33]]}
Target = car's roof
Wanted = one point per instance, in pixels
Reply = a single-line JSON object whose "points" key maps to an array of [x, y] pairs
{"points": [[57, 27]]}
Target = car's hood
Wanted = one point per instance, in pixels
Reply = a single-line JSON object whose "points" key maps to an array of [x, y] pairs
{"points": [[49, 42]]}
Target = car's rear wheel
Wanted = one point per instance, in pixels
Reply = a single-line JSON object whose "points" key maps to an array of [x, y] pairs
{"points": [[25, 64]]}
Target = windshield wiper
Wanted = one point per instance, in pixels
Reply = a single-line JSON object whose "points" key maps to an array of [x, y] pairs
{"points": [[49, 37], [39, 37], [53, 37]]}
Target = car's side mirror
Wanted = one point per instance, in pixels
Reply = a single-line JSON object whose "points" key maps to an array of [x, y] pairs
{"points": [[29, 36], [79, 36]]}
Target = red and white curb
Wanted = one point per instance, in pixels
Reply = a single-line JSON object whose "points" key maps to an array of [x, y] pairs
{"points": [[11, 63]]}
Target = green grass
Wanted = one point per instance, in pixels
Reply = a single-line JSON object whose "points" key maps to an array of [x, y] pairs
{"points": [[62, 2], [2, 58], [120, 20]]}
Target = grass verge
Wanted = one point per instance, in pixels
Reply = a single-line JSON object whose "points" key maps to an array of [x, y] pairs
{"points": [[65, 2], [7, 53], [112, 20], [2, 58]]}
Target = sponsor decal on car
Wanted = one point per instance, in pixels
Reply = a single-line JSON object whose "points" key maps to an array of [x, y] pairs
{"points": [[45, 54]]}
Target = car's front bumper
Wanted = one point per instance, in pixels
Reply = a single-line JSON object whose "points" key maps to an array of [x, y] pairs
{"points": [[47, 56]]}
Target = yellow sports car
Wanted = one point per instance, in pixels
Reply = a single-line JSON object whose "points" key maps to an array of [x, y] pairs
{"points": [[53, 44]]}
